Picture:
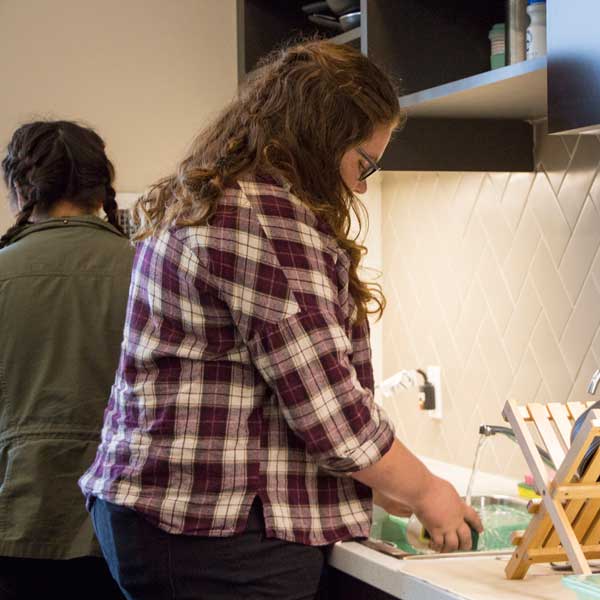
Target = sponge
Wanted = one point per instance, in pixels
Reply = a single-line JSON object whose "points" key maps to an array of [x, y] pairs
{"points": [[527, 491]]}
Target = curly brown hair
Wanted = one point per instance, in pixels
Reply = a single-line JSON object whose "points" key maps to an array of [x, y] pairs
{"points": [[294, 119]]}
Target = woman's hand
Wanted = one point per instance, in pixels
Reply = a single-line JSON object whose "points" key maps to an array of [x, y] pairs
{"points": [[393, 507], [400, 476], [446, 517]]}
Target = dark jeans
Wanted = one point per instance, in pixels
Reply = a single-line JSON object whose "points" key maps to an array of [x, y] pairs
{"points": [[151, 564], [75, 579]]}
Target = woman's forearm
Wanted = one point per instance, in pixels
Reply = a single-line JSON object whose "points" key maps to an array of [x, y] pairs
{"points": [[400, 475]]}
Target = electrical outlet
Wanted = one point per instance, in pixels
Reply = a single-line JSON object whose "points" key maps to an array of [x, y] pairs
{"points": [[434, 375]]}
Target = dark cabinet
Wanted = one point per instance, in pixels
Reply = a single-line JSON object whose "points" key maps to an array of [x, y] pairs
{"points": [[426, 43], [573, 66], [338, 585], [266, 24], [461, 115], [429, 43]]}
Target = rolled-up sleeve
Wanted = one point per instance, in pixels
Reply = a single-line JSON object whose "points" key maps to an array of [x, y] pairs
{"points": [[305, 359]]}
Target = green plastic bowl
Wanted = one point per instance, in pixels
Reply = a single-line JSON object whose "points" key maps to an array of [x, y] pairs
{"points": [[501, 516]]}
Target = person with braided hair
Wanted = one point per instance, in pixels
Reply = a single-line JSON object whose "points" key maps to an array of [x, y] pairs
{"points": [[64, 278], [241, 438]]}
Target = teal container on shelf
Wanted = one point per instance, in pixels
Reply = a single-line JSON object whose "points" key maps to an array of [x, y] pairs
{"points": [[498, 60], [497, 46], [587, 587]]}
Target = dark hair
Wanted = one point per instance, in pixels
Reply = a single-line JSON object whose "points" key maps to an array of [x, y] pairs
{"points": [[48, 161], [295, 118]]}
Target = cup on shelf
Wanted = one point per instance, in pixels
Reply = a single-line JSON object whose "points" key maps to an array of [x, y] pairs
{"points": [[497, 42], [516, 25]]}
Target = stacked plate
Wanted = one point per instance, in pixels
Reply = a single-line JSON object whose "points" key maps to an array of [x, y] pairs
{"points": [[337, 15]]}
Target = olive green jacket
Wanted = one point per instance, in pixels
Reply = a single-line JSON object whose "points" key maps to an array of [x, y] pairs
{"points": [[63, 293]]}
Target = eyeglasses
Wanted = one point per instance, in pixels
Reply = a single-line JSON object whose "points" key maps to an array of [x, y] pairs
{"points": [[372, 168]]}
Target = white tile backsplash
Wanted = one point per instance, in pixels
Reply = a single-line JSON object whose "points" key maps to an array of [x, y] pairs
{"points": [[495, 277]]}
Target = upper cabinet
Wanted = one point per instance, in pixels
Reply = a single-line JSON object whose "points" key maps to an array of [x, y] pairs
{"points": [[462, 115], [265, 24], [574, 66]]}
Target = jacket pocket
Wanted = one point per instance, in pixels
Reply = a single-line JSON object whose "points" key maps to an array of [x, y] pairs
{"points": [[40, 501]]}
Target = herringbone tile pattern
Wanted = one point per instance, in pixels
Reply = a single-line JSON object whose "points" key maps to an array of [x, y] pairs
{"points": [[495, 277]]}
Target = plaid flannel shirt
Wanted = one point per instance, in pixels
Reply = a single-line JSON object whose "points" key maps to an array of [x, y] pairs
{"points": [[242, 374]]}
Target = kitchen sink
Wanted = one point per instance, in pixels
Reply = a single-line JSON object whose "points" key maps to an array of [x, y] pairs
{"points": [[501, 516]]}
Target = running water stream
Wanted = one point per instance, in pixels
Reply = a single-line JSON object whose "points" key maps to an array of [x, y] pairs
{"points": [[475, 469]]}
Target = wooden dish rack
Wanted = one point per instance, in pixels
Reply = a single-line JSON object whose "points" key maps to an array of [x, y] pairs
{"points": [[566, 520]]}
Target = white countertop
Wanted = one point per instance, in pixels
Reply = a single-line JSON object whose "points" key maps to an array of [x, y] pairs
{"points": [[470, 578]]}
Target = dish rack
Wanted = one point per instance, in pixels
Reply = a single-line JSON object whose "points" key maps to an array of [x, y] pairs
{"points": [[566, 520]]}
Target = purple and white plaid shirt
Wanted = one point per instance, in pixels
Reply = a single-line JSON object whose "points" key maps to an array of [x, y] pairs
{"points": [[242, 374]]}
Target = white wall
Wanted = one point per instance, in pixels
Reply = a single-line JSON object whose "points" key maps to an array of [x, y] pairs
{"points": [[146, 74]]}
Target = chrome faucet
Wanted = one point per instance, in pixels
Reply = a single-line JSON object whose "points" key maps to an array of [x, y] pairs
{"points": [[489, 430], [594, 382]]}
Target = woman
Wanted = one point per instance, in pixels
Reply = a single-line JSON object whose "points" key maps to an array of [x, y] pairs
{"points": [[241, 436], [64, 276]]}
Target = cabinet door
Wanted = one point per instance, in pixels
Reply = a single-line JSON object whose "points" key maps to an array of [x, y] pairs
{"points": [[341, 586], [573, 66], [421, 43], [426, 43], [263, 25]]}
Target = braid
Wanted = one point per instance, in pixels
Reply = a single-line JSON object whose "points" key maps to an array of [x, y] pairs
{"points": [[19, 169], [110, 207], [50, 161], [21, 222]]}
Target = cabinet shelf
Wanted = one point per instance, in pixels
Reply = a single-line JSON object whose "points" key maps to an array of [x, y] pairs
{"points": [[516, 91], [461, 117]]}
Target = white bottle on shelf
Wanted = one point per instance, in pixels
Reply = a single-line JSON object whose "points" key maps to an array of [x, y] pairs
{"points": [[536, 32]]}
